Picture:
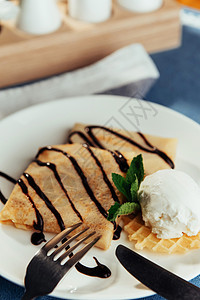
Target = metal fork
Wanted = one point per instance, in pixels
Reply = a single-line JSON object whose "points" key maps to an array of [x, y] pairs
{"points": [[45, 270]]}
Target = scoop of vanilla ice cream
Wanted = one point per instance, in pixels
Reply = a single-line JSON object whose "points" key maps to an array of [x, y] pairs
{"points": [[170, 204]]}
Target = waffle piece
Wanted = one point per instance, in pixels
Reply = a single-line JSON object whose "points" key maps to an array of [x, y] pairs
{"points": [[144, 238]]}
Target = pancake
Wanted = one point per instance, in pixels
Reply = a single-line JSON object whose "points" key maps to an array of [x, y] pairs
{"points": [[66, 184], [70, 183], [158, 152]]}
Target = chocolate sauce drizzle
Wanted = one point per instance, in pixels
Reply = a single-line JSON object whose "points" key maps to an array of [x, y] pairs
{"points": [[96, 142], [100, 270], [81, 175], [117, 233], [105, 177], [81, 135], [37, 237], [52, 167], [119, 158], [3, 199], [48, 203]]}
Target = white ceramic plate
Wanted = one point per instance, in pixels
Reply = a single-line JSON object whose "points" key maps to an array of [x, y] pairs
{"points": [[20, 136]]}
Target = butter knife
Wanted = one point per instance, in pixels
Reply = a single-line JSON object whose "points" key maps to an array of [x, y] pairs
{"points": [[161, 281]]}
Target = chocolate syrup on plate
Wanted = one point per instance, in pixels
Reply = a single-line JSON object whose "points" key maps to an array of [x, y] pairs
{"points": [[3, 199], [100, 270]]}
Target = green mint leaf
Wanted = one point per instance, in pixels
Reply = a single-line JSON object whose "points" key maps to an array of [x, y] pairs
{"points": [[129, 187], [134, 190], [124, 209], [136, 168], [112, 213], [122, 185]]}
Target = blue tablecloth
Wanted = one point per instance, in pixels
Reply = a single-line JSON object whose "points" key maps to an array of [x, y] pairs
{"points": [[177, 88], [179, 83]]}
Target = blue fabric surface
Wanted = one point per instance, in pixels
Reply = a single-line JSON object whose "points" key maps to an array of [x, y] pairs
{"points": [[177, 88], [179, 83]]}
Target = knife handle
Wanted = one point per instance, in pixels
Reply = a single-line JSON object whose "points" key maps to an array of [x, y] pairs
{"points": [[158, 279]]}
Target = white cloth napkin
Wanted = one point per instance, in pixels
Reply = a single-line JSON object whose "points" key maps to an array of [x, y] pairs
{"points": [[128, 71]]}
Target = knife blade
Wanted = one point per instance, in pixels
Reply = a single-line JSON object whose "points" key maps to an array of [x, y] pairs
{"points": [[158, 279]]}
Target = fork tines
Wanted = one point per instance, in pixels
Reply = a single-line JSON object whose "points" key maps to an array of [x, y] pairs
{"points": [[60, 237]]}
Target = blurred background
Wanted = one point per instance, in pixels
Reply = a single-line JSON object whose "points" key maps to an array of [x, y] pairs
{"points": [[44, 40]]}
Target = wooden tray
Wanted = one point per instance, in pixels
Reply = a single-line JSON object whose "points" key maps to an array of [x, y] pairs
{"points": [[76, 44]]}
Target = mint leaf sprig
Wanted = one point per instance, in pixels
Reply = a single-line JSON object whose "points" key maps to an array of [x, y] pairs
{"points": [[129, 187]]}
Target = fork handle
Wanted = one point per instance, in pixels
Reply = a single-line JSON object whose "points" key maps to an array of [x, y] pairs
{"points": [[27, 296]]}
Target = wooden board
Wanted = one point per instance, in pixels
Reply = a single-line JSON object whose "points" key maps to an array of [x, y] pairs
{"points": [[25, 57]]}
